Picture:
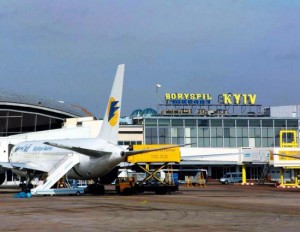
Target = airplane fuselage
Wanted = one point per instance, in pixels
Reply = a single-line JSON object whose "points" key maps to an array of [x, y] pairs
{"points": [[44, 156]]}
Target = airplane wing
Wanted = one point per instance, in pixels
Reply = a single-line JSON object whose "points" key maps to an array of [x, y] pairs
{"points": [[198, 157], [130, 153], [21, 166], [84, 151]]}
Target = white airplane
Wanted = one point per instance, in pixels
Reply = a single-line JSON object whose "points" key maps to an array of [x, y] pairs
{"points": [[89, 158]]}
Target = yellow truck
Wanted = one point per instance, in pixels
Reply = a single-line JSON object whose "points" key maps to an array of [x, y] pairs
{"points": [[128, 186], [125, 185]]}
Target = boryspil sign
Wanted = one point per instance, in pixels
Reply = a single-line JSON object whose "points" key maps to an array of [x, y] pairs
{"points": [[206, 99]]}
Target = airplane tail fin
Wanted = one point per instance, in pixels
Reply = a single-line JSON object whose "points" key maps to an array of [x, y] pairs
{"points": [[110, 125]]}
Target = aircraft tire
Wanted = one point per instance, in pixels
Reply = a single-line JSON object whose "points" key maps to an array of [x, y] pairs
{"points": [[2, 178]]}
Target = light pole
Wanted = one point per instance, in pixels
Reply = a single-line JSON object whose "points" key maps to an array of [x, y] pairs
{"points": [[157, 96]]}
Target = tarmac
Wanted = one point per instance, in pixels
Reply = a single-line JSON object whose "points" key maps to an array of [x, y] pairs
{"points": [[212, 208]]}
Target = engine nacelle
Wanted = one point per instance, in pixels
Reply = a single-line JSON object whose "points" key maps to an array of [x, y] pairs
{"points": [[2, 178]]}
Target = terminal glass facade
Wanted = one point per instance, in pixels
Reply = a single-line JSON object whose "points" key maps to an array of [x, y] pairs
{"points": [[16, 122], [217, 132]]}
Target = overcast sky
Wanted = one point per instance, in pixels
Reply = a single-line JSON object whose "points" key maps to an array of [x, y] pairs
{"points": [[69, 50]]}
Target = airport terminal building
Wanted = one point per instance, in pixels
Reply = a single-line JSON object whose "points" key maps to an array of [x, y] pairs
{"points": [[218, 132], [230, 123], [230, 126], [226, 127], [23, 114]]}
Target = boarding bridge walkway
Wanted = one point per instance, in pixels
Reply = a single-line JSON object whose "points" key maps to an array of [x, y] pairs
{"points": [[225, 156], [285, 157], [57, 172]]}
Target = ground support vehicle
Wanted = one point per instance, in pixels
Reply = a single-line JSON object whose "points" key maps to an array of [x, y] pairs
{"points": [[128, 186], [231, 177], [58, 191], [153, 181]]}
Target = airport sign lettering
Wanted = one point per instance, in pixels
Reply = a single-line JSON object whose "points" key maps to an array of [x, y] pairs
{"points": [[244, 99], [26, 148], [42, 148], [206, 99]]}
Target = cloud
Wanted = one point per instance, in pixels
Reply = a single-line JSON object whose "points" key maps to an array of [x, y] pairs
{"points": [[69, 47]]}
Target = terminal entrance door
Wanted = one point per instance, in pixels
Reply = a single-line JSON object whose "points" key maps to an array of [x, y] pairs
{"points": [[253, 173], [218, 172]]}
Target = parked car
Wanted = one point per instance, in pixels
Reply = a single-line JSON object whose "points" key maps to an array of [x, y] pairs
{"points": [[231, 177]]}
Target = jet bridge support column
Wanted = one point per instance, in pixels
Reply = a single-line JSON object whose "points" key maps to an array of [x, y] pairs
{"points": [[244, 174], [288, 143], [281, 177], [293, 183], [296, 172]]}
